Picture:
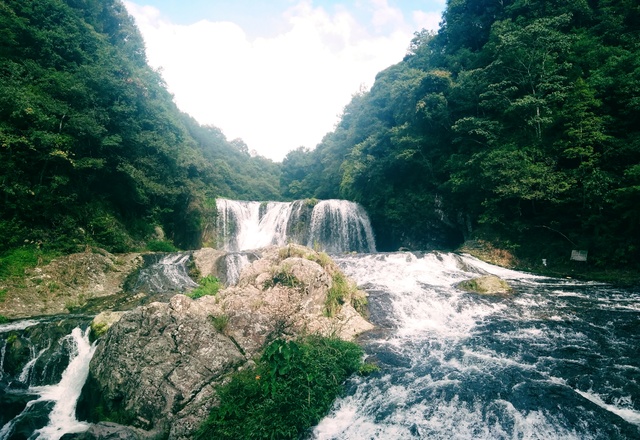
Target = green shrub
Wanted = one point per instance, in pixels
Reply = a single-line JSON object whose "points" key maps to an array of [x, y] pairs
{"points": [[161, 246], [368, 368], [108, 232], [3, 319], [290, 389], [3, 294], [209, 285]]}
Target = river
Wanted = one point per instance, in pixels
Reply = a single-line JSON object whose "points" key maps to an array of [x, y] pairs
{"points": [[559, 359]]}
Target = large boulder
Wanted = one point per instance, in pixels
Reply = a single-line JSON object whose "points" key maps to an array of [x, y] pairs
{"points": [[157, 368], [156, 362], [285, 292]]}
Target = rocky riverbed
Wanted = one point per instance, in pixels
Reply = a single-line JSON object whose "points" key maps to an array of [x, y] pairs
{"points": [[160, 358]]}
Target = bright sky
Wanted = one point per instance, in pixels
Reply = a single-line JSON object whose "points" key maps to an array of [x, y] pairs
{"points": [[276, 73]]}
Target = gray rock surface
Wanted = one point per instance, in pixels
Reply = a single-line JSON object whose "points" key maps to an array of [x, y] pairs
{"points": [[157, 360], [158, 366]]}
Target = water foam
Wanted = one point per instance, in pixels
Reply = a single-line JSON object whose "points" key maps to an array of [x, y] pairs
{"points": [[460, 366], [64, 394]]}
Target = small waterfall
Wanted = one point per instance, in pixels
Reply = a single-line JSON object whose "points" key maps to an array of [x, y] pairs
{"points": [[45, 411], [330, 225], [164, 273], [234, 263], [28, 367]]}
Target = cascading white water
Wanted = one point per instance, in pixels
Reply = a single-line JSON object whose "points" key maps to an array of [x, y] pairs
{"points": [[557, 360], [26, 371], [64, 394], [331, 225], [234, 263], [341, 226], [251, 225], [170, 273]]}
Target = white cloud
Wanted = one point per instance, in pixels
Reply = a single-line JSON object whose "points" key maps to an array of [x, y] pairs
{"points": [[276, 93], [427, 20]]}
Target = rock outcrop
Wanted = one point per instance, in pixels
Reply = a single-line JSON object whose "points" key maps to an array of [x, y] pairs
{"points": [[487, 285], [67, 284], [156, 368]]}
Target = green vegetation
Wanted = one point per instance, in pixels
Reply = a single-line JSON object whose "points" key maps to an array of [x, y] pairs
{"points": [[220, 323], [209, 285], [3, 319], [93, 150], [516, 121], [98, 329], [289, 390], [3, 294], [284, 277], [368, 368], [341, 290], [322, 258], [14, 262]]}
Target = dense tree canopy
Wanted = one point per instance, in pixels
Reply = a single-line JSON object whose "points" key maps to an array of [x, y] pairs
{"points": [[519, 117], [92, 148]]}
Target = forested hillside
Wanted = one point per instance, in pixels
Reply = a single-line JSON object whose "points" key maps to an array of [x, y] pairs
{"points": [[519, 119], [92, 148]]}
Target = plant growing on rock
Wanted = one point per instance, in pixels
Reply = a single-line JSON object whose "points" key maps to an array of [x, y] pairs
{"points": [[220, 323], [289, 390], [284, 277], [209, 285], [341, 290]]}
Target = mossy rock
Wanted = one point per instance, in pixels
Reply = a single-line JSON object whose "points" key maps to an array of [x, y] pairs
{"points": [[487, 285], [102, 322]]}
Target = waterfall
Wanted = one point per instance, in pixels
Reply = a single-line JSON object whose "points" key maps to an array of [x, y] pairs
{"points": [[339, 226], [164, 273], [330, 225], [54, 407], [234, 263]]}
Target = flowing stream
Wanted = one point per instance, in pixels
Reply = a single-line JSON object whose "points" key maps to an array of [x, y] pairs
{"points": [[559, 359], [39, 401]]}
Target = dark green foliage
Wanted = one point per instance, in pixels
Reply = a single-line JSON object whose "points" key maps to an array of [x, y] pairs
{"points": [[161, 246], [518, 116], [93, 149], [290, 389]]}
